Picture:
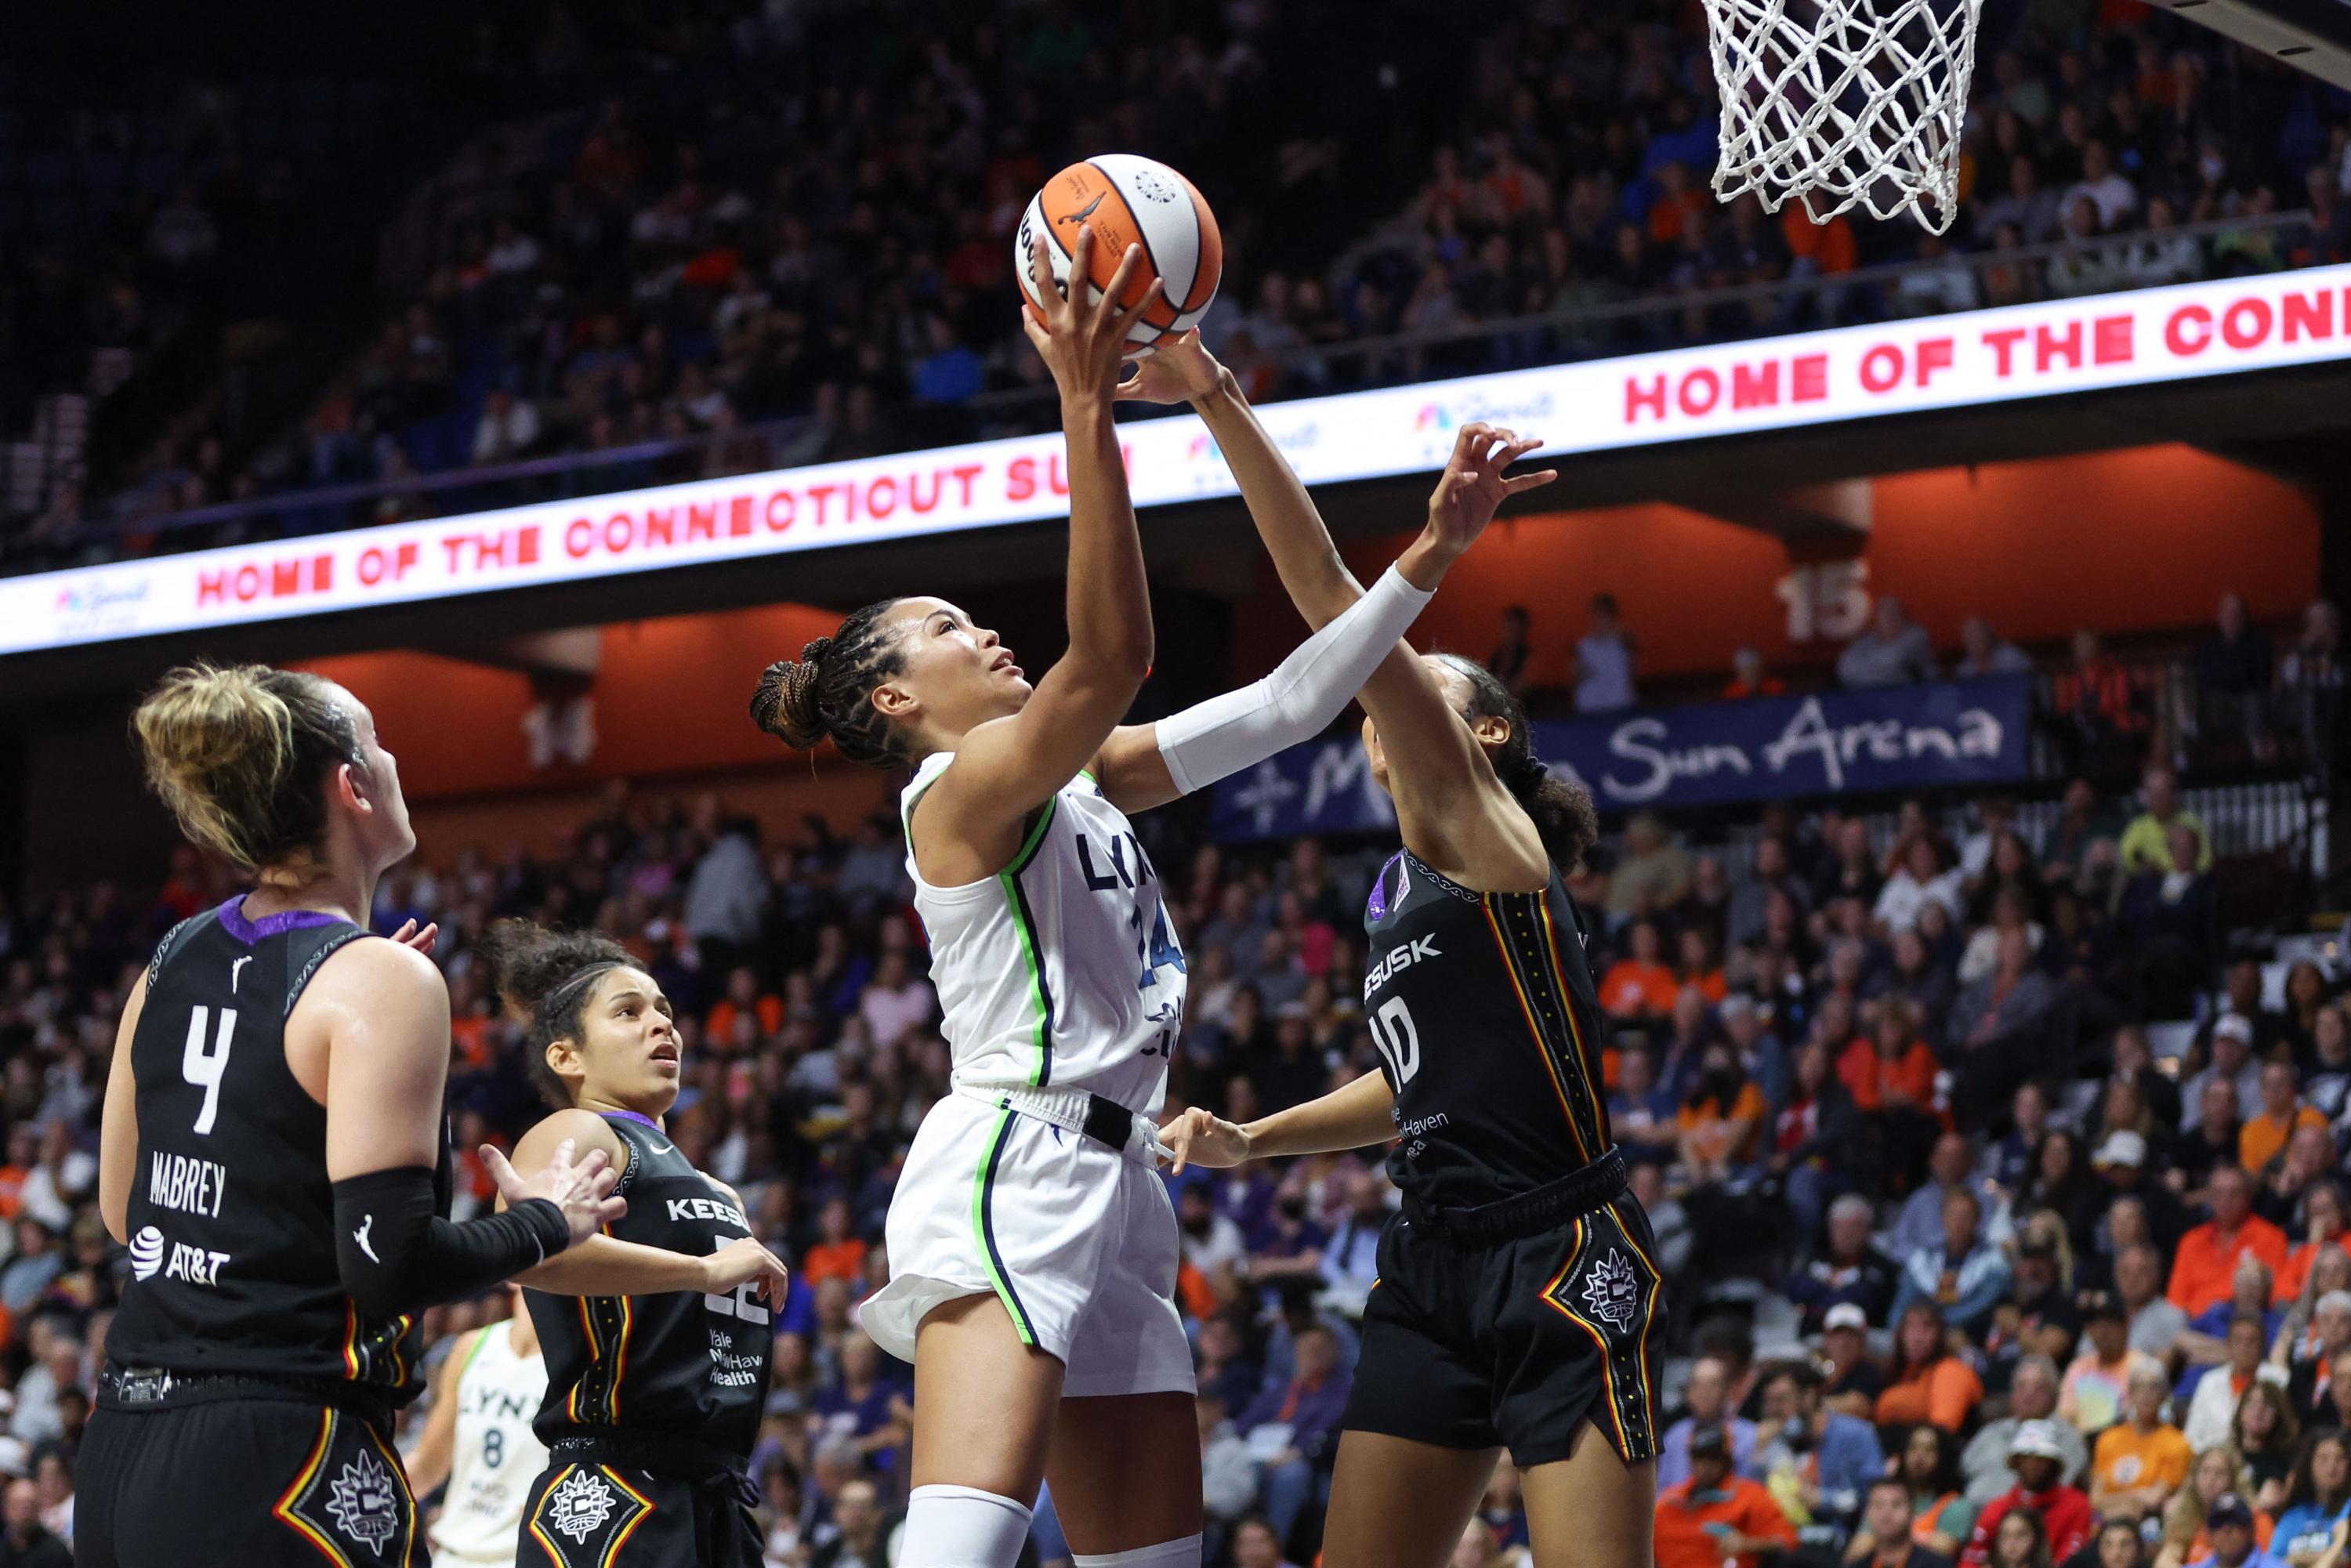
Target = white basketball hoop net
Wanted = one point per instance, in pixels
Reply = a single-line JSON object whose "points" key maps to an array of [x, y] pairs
{"points": [[1844, 102]]}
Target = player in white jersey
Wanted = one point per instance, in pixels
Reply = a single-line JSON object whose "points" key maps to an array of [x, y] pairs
{"points": [[478, 1437], [1032, 1247]]}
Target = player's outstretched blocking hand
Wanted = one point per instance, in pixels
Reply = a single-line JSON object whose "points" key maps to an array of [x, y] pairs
{"points": [[1081, 341], [584, 1191], [1472, 485], [1182, 370]]}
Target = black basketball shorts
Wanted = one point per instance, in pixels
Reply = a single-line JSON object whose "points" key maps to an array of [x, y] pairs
{"points": [[592, 1510], [257, 1482], [1476, 1343]]}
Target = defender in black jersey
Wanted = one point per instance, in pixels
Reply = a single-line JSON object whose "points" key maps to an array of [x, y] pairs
{"points": [[1517, 1296], [656, 1381], [235, 1320], [1517, 1306], [275, 1158]]}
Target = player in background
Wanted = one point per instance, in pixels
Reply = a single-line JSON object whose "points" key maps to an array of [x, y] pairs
{"points": [[657, 1349], [1032, 1246], [275, 1156], [478, 1446], [1517, 1303]]}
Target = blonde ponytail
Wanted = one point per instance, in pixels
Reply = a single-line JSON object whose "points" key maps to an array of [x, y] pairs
{"points": [[238, 754]]}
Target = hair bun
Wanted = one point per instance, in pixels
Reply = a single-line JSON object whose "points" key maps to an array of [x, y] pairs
{"points": [[785, 703], [814, 650]]}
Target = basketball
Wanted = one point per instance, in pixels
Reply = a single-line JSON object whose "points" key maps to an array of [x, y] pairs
{"points": [[1129, 200]]}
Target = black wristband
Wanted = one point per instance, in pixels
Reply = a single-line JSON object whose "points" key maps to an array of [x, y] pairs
{"points": [[396, 1254], [545, 1217]]}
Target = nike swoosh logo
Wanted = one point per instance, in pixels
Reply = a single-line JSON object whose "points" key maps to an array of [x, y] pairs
{"points": [[663, 1148]]}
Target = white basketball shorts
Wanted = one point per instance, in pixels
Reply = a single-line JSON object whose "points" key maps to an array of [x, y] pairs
{"points": [[1076, 1239]]}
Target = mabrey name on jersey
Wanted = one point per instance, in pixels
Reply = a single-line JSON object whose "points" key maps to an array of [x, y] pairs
{"points": [[184, 1183], [1419, 950]]}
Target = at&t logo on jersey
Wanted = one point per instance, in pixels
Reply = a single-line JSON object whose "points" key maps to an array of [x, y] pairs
{"points": [[364, 1504], [580, 1505], [151, 1247]]}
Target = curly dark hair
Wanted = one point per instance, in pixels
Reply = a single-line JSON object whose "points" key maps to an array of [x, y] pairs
{"points": [[824, 693], [1564, 816], [549, 975]]}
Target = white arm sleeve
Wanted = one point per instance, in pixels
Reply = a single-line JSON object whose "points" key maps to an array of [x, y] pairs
{"points": [[1225, 734]]}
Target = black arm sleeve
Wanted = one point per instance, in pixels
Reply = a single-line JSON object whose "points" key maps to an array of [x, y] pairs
{"points": [[396, 1254]]}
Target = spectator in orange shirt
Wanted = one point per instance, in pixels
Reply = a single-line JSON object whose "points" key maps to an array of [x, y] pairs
{"points": [[1717, 1519], [1891, 1076], [1927, 1382], [2282, 1113], [23, 1154], [742, 996], [1721, 1116], [839, 1255], [1673, 208], [2321, 1207], [1701, 971], [1891, 1068], [1639, 984], [1826, 247], [2204, 1270], [1749, 678]]}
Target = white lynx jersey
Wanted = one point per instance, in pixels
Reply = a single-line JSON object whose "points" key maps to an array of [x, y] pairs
{"points": [[1061, 970], [496, 1458]]}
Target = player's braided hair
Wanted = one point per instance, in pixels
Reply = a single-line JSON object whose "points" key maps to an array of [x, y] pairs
{"points": [[1563, 814], [826, 692], [549, 975]]}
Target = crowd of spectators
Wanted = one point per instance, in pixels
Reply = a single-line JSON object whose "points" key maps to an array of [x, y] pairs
{"points": [[1949, 1245], [794, 243]]}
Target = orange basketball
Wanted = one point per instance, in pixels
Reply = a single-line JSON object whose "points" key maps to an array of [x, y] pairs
{"points": [[1128, 200]]}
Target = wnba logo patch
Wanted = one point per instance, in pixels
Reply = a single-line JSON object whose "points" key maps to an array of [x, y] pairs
{"points": [[1611, 1291]]}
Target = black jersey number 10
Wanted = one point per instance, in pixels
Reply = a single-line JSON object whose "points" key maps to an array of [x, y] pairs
{"points": [[1399, 1042], [205, 1069]]}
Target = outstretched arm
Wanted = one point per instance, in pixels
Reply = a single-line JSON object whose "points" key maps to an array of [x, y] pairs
{"points": [[1148, 765], [969, 823], [1452, 809], [605, 1265], [1353, 1117]]}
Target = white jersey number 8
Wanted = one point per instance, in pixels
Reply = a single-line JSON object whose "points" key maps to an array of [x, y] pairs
{"points": [[1398, 1041], [205, 1069]]}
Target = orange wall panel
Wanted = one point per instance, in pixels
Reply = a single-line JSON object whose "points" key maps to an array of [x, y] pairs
{"points": [[2139, 540]]}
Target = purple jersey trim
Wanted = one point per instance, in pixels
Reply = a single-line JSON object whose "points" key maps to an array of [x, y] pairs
{"points": [[249, 932]]}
